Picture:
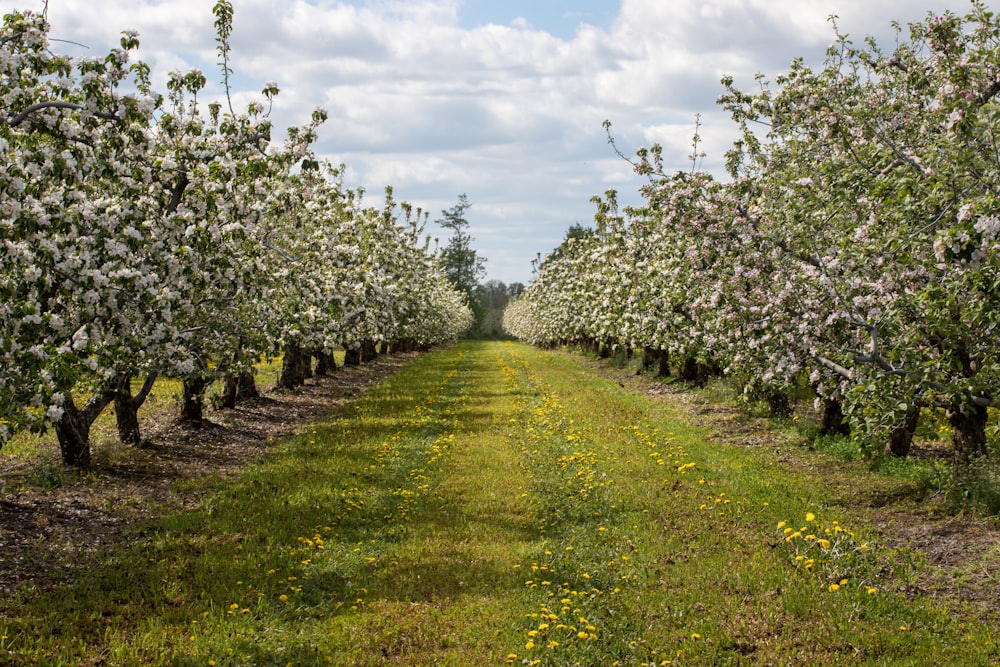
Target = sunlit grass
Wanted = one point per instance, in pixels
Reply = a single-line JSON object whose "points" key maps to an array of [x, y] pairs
{"points": [[496, 504]]}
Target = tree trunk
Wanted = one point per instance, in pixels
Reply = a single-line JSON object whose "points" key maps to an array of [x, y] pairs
{"points": [[369, 351], [230, 390], [708, 371], [778, 404], [239, 387], [307, 366], [74, 436], [73, 428], [193, 400], [832, 422], [325, 363], [293, 367], [968, 425], [901, 437], [127, 407], [663, 364], [689, 370], [649, 356], [352, 356], [246, 386]]}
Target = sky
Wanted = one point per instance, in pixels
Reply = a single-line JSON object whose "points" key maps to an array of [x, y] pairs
{"points": [[500, 100]]}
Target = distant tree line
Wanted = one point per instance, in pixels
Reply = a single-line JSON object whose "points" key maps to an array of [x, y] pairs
{"points": [[463, 266]]}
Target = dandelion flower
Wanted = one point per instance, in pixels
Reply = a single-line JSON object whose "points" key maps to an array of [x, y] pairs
{"points": [[834, 588], [810, 517], [530, 645]]}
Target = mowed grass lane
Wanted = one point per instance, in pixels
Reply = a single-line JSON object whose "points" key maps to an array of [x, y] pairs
{"points": [[496, 504]]}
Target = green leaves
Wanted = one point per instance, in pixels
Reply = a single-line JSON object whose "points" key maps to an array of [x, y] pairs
{"points": [[857, 242]]}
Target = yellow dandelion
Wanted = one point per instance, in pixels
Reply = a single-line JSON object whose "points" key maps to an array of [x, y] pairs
{"points": [[581, 634], [810, 517], [834, 588], [530, 645], [872, 590]]}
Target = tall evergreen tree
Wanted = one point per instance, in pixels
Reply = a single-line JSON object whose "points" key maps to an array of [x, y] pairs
{"points": [[463, 267]]}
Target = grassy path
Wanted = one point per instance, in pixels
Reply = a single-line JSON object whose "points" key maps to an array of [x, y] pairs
{"points": [[494, 504]]}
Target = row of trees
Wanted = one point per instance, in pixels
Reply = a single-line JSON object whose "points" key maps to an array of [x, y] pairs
{"points": [[853, 248], [146, 234], [465, 268]]}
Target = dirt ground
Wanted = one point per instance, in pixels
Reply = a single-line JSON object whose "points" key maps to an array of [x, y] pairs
{"points": [[46, 528], [46, 525]]}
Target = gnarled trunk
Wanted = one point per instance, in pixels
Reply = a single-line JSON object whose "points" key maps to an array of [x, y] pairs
{"points": [[663, 364], [246, 386], [127, 407], [352, 356], [293, 367], [901, 437], [832, 421], [193, 399], [968, 426], [649, 356], [778, 404], [236, 388], [689, 370], [73, 428], [369, 351], [325, 363]]}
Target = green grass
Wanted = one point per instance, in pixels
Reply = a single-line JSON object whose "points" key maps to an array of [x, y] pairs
{"points": [[495, 504]]}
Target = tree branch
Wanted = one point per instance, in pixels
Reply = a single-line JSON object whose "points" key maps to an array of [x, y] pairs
{"points": [[988, 94], [52, 104]]}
